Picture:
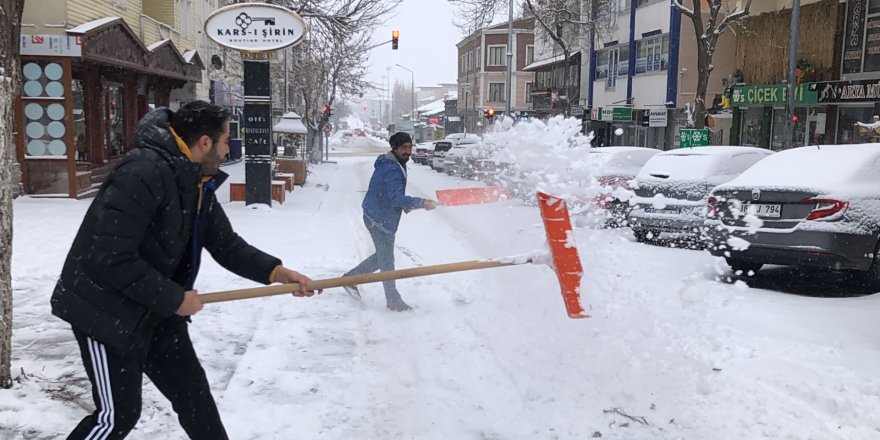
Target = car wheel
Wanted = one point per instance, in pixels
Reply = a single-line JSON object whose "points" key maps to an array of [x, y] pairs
{"points": [[743, 267], [642, 235], [872, 276]]}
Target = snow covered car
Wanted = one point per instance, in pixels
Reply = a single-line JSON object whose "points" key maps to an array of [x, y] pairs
{"points": [[617, 167], [672, 189], [816, 206], [420, 153], [440, 149]]}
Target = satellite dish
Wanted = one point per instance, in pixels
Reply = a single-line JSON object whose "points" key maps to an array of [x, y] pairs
{"points": [[216, 62]]}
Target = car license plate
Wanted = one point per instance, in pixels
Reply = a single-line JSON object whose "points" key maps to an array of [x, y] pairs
{"points": [[766, 210], [650, 210]]}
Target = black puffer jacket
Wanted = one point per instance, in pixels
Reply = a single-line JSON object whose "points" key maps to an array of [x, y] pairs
{"points": [[134, 254]]}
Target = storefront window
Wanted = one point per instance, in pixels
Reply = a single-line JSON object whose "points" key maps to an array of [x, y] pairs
{"points": [[114, 108], [43, 101], [846, 125], [777, 140], [752, 126], [80, 136]]}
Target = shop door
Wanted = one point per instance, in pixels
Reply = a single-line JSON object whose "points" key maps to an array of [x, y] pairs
{"points": [[114, 140], [641, 137]]}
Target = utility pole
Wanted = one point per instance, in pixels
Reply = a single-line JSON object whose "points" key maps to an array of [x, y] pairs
{"points": [[508, 105], [792, 66]]}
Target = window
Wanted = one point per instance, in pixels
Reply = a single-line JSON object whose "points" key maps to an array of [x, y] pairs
{"points": [[861, 47], [653, 54], [613, 66], [530, 54], [185, 15], [528, 92], [497, 56], [496, 92], [479, 61]]}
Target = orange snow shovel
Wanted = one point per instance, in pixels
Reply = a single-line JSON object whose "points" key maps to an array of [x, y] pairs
{"points": [[471, 196], [565, 262]]}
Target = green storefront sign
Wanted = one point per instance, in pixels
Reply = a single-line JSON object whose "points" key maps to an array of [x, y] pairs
{"points": [[770, 95], [694, 137], [615, 114]]}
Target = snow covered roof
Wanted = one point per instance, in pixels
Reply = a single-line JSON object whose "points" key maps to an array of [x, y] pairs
{"points": [[85, 27], [548, 61], [433, 108], [158, 44], [290, 123]]}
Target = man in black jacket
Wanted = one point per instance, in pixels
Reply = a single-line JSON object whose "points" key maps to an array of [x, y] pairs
{"points": [[127, 284]]}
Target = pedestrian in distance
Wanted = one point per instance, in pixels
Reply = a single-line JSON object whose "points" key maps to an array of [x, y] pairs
{"points": [[126, 287], [383, 205]]}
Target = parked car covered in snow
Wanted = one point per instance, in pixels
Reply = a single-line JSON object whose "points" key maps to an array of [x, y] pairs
{"points": [[672, 189], [816, 206], [439, 156], [420, 153], [616, 168]]}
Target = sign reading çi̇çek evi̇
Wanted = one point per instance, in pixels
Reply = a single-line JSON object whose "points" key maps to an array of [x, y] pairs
{"points": [[255, 27]]}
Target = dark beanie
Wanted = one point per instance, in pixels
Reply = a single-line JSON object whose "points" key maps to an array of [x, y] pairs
{"points": [[398, 139]]}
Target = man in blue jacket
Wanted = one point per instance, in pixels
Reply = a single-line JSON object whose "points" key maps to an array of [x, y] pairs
{"points": [[385, 200]]}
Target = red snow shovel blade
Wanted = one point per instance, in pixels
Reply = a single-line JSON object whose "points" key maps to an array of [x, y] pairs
{"points": [[471, 196], [566, 261]]}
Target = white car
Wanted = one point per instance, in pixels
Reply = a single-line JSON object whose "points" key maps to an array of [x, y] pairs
{"points": [[439, 156], [672, 189]]}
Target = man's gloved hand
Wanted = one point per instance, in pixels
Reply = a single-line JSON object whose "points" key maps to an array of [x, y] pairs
{"points": [[429, 204], [285, 275]]}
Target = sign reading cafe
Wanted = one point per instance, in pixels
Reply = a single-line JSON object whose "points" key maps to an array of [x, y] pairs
{"points": [[255, 27]]}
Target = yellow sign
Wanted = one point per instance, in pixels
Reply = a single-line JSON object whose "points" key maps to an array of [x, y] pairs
{"points": [[258, 56]]}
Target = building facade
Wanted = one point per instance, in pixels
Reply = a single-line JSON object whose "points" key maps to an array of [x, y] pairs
{"points": [[91, 69], [482, 73]]}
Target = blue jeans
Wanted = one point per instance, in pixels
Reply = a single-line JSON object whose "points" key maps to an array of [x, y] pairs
{"points": [[382, 260]]}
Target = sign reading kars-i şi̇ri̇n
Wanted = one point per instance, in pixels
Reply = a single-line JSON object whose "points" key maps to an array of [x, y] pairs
{"points": [[255, 27]]}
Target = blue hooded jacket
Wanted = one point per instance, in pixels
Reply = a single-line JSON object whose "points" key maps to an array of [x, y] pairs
{"points": [[386, 197]]}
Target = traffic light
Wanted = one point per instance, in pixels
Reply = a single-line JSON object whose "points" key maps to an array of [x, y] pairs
{"points": [[395, 35], [489, 113], [326, 110]]}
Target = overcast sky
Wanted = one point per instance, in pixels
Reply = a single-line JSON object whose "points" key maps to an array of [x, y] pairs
{"points": [[427, 44]]}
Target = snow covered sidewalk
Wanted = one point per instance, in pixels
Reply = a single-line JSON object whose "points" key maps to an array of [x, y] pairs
{"points": [[669, 352]]}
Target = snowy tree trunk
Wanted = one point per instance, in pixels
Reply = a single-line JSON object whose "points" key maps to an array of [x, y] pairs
{"points": [[704, 70], [10, 19]]}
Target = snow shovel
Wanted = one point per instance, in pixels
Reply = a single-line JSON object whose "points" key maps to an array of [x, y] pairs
{"points": [[564, 261], [471, 196]]}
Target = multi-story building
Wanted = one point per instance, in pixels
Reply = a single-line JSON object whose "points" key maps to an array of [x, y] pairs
{"points": [[557, 87], [636, 70], [760, 95], [482, 72], [91, 69]]}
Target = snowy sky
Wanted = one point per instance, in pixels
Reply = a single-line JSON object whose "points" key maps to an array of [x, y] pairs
{"points": [[427, 44]]}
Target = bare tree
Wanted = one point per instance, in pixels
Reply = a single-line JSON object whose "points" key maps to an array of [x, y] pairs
{"points": [[10, 19], [402, 98], [707, 31]]}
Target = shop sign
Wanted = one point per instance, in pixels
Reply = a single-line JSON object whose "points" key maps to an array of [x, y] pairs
{"points": [[853, 43], [255, 27], [770, 95], [51, 45], [657, 118], [615, 114], [694, 137], [847, 91]]}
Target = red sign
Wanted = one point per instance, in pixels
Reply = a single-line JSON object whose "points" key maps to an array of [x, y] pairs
{"points": [[328, 128], [37, 39], [433, 121]]}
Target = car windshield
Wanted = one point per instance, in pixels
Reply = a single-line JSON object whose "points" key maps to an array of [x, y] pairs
{"points": [[694, 166], [442, 146]]}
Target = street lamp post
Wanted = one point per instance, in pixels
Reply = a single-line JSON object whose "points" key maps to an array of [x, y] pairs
{"points": [[412, 86]]}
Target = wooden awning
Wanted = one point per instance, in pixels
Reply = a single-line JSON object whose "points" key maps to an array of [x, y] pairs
{"points": [[112, 42]]}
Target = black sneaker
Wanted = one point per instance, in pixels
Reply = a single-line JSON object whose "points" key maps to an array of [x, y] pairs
{"points": [[353, 292], [399, 306]]}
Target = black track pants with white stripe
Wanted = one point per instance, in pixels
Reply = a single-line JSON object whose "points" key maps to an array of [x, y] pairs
{"points": [[171, 364]]}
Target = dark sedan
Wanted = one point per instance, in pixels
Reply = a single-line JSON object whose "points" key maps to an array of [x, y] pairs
{"points": [[813, 206]]}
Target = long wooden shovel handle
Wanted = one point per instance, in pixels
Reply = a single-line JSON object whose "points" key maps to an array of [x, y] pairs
{"points": [[353, 280]]}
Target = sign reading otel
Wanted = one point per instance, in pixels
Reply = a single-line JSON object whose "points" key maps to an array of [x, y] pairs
{"points": [[256, 30]]}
